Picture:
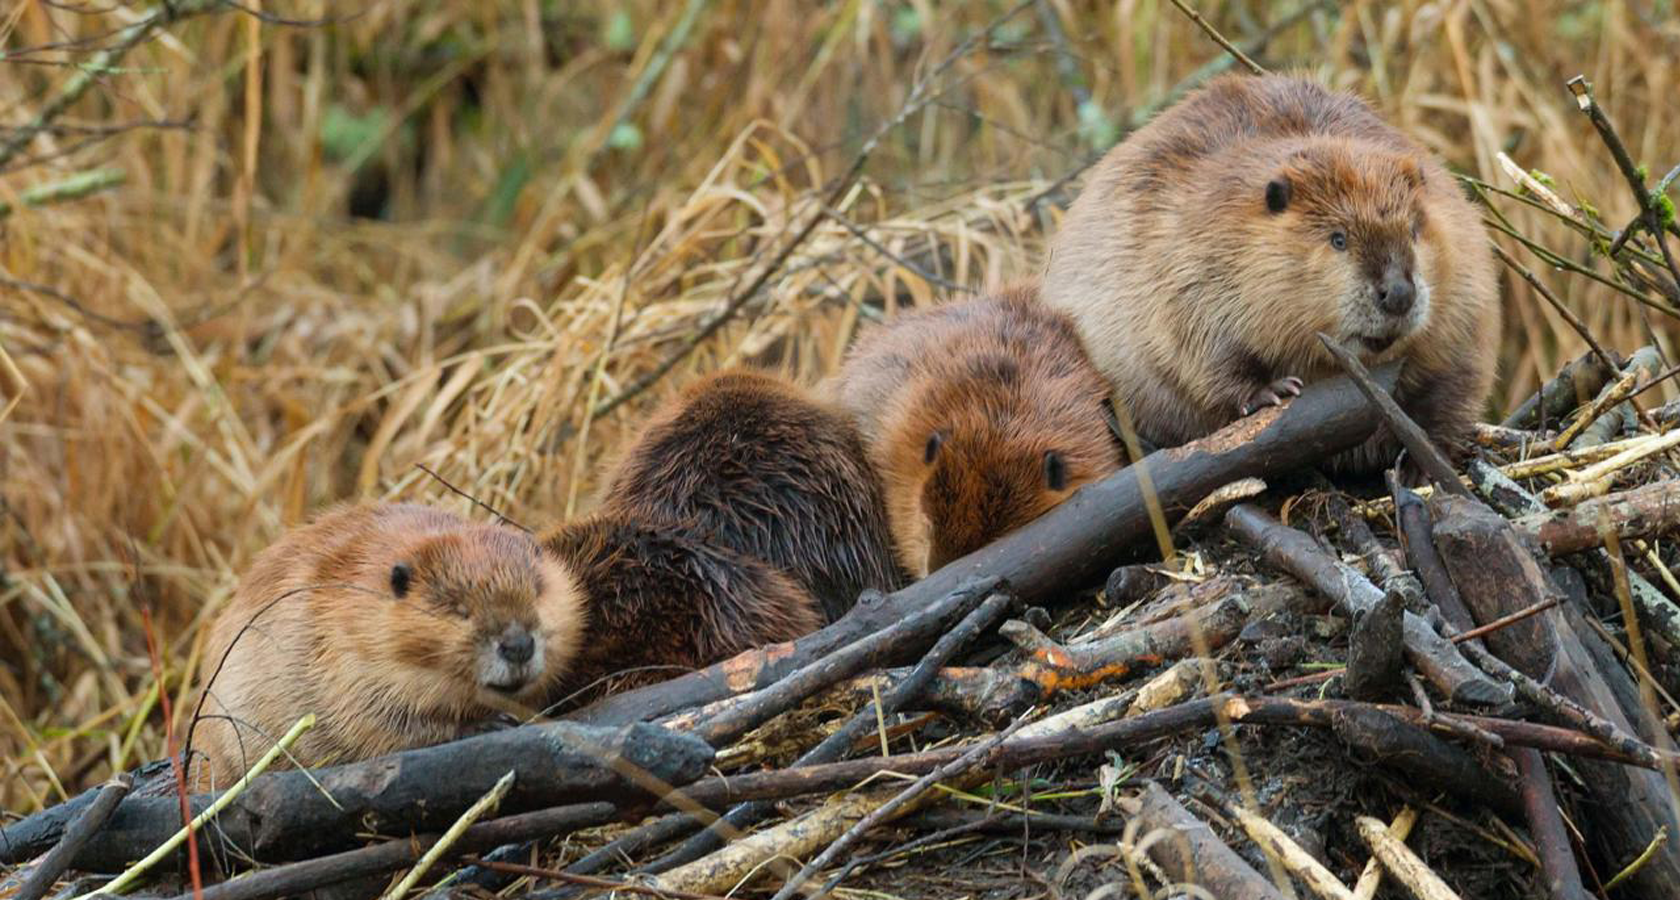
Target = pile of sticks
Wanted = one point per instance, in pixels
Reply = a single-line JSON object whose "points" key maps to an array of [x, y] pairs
{"points": [[1477, 610]]}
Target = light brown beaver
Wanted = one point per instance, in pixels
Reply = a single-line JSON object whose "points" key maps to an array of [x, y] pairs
{"points": [[1208, 249], [980, 415], [398, 625]]}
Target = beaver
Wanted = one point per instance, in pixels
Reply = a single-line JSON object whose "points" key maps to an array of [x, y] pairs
{"points": [[980, 415], [663, 599], [398, 625], [751, 462], [1209, 248]]}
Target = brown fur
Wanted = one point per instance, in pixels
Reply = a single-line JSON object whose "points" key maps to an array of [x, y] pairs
{"points": [[750, 462], [967, 407], [317, 625], [1194, 295], [663, 601]]}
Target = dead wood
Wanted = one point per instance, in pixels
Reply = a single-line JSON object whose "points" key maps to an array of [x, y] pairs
{"points": [[292, 814], [1647, 511], [1422, 449], [778, 784], [1416, 536], [1420, 880], [1190, 852], [997, 693], [973, 758], [1545, 825], [1051, 668], [1427, 760], [1297, 553], [1578, 383], [1657, 612], [299, 878], [841, 741], [721, 724], [1376, 644], [1068, 548], [1496, 573], [87, 825]]}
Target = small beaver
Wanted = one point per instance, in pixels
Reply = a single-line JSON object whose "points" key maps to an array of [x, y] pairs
{"points": [[1208, 249], [663, 600], [748, 461], [980, 416], [398, 625]]}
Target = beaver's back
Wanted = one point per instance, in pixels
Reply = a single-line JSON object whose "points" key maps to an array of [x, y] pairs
{"points": [[751, 462], [663, 601]]}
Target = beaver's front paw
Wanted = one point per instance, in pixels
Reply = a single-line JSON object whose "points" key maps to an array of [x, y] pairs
{"points": [[1272, 394]]}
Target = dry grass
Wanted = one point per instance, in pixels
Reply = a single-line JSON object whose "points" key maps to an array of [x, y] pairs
{"points": [[568, 192]]}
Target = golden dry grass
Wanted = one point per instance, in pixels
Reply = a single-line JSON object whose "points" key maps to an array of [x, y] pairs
{"points": [[570, 190]]}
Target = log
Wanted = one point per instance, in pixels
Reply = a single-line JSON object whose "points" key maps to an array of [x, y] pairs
{"points": [[1296, 553], [77, 836], [299, 878], [1657, 612], [289, 815], [1068, 548], [1624, 806], [1578, 383], [1191, 853], [1648, 511]]}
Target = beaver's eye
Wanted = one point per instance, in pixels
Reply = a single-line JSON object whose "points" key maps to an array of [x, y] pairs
{"points": [[1055, 471], [401, 575], [932, 449], [1338, 240]]}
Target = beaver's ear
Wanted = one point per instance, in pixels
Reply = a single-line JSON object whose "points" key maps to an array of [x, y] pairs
{"points": [[1055, 471], [1277, 194], [401, 575], [934, 442], [1413, 173]]}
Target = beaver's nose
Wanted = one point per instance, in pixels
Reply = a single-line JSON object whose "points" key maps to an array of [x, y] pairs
{"points": [[516, 645], [1396, 294]]}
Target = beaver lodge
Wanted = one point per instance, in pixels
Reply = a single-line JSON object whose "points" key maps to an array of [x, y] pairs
{"points": [[259, 258]]}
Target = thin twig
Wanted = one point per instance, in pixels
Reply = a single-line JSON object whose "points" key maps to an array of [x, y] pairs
{"points": [[585, 880], [1506, 621], [72, 90], [1556, 304], [1218, 38], [1582, 89], [475, 501], [1418, 444], [484, 804]]}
